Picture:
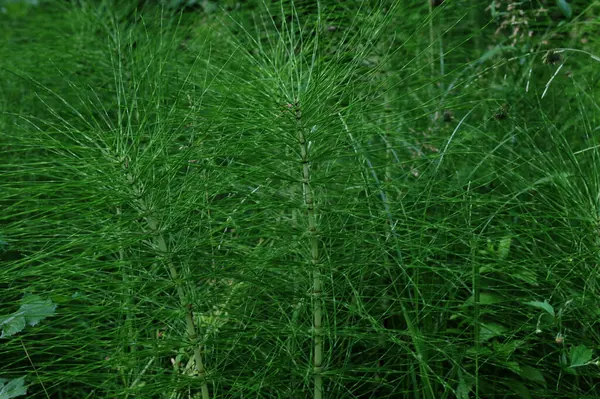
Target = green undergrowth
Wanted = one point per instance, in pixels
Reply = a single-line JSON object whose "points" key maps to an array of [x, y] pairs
{"points": [[301, 199]]}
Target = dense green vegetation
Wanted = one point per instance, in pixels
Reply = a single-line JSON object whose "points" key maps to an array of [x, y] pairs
{"points": [[279, 199]]}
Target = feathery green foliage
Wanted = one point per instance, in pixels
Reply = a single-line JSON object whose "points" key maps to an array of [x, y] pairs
{"points": [[301, 199]]}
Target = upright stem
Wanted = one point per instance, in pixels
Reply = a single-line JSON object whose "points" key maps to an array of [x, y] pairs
{"points": [[128, 291], [189, 310], [314, 254], [162, 249]]}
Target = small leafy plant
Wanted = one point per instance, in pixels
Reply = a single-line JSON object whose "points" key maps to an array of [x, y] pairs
{"points": [[12, 388], [33, 309]]}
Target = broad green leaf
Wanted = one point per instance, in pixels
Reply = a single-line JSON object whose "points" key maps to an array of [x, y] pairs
{"points": [[565, 8], [36, 309], [13, 388], [542, 305], [490, 330], [532, 374], [504, 247], [11, 325], [580, 355], [33, 310]]}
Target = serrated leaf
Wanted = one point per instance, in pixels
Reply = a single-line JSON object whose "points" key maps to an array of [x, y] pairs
{"points": [[12, 324], [36, 309], [542, 305], [532, 374], [580, 355], [33, 310], [13, 388], [565, 8]]}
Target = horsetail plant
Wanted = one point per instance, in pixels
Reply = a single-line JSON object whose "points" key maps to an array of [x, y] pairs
{"points": [[279, 204], [312, 234]]}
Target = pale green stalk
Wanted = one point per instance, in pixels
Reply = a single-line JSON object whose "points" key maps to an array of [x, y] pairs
{"points": [[189, 310], [317, 284], [162, 249]]}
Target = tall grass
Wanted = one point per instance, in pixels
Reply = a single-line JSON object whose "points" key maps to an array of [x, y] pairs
{"points": [[299, 200]]}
